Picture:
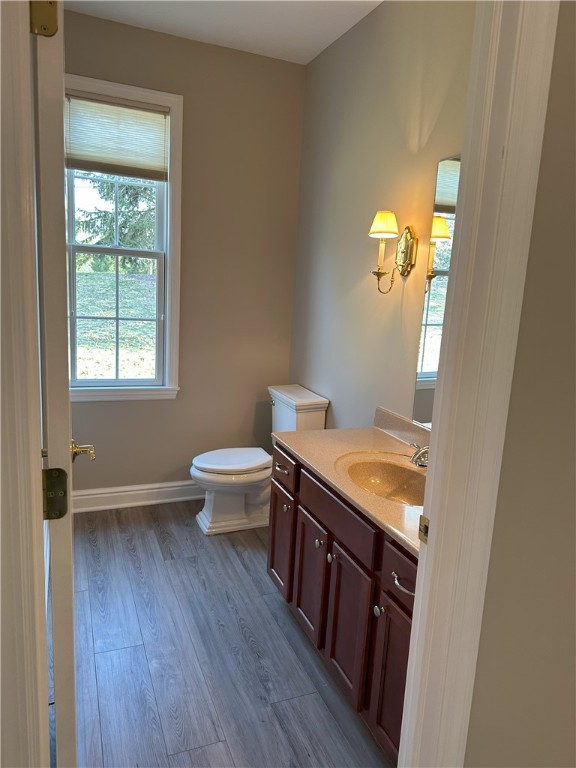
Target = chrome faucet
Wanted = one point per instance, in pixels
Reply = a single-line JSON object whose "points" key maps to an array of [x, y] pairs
{"points": [[420, 456]]}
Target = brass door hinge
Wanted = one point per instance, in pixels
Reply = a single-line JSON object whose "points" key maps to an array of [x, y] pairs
{"points": [[43, 18], [423, 528], [54, 493]]}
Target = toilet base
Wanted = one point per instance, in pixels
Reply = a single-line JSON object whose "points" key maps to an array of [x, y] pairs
{"points": [[227, 512]]}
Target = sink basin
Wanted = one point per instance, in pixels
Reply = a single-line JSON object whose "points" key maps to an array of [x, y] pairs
{"points": [[387, 475]]}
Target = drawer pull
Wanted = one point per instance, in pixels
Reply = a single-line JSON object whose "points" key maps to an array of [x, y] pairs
{"points": [[378, 610], [318, 543], [330, 557], [286, 508], [400, 587], [281, 468]]}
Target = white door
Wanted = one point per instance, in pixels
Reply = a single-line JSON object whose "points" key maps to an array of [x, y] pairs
{"points": [[48, 67], [38, 416]]}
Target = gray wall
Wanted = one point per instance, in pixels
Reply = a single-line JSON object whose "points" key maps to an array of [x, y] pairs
{"points": [[241, 154], [384, 104], [523, 709], [423, 405]]}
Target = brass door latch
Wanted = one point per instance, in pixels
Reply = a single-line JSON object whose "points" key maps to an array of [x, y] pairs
{"points": [[79, 450]]}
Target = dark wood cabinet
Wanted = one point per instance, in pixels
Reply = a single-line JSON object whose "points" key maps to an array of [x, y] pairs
{"points": [[386, 701], [348, 623], [282, 525], [281, 539], [350, 586], [310, 574], [332, 596]]}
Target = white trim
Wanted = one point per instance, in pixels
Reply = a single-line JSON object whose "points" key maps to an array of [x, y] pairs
{"points": [[94, 394], [174, 103], [95, 499], [23, 678], [510, 76], [426, 383]]}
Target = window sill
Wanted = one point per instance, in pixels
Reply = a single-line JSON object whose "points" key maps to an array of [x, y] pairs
{"points": [[94, 394], [426, 383]]}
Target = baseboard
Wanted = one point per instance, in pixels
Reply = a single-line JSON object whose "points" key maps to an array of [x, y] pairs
{"points": [[95, 499]]}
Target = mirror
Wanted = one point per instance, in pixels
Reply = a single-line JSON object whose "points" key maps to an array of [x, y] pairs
{"points": [[447, 180]]}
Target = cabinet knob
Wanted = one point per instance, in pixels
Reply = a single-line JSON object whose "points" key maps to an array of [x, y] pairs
{"points": [[318, 543], [330, 557], [378, 610], [285, 508]]}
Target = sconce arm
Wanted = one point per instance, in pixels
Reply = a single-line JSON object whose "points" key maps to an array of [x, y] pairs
{"points": [[378, 274]]}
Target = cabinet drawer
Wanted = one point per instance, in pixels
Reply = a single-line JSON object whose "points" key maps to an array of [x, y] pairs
{"points": [[358, 537], [284, 469], [398, 574]]}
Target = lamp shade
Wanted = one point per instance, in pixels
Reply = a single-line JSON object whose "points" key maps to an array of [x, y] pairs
{"points": [[384, 225], [439, 229]]}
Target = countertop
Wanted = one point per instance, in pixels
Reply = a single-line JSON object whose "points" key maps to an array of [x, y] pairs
{"points": [[319, 450]]}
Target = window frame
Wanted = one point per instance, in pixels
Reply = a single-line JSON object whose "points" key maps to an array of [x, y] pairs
{"points": [[427, 379], [168, 389]]}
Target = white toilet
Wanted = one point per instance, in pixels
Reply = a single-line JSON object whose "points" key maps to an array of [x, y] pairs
{"points": [[236, 481]]}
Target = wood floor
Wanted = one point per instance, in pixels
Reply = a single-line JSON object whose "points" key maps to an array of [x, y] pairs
{"points": [[187, 656]]}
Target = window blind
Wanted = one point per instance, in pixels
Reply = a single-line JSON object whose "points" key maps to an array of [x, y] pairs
{"points": [[116, 139], [447, 185]]}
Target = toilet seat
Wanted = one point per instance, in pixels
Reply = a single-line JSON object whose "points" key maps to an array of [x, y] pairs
{"points": [[233, 461], [240, 482]]}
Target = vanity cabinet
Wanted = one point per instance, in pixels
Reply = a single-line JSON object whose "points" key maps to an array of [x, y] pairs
{"points": [[348, 623], [333, 584], [310, 576], [282, 521], [350, 586], [388, 680], [390, 646]]}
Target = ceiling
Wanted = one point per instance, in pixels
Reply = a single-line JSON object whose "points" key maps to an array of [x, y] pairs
{"points": [[293, 30]]}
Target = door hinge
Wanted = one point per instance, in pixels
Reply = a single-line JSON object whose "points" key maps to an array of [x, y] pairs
{"points": [[423, 528], [43, 17], [54, 493]]}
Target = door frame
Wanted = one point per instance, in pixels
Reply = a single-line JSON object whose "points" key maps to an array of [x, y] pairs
{"points": [[506, 112], [23, 673]]}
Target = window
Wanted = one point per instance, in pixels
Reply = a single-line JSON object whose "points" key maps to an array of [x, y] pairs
{"points": [[123, 149], [447, 181], [434, 304]]}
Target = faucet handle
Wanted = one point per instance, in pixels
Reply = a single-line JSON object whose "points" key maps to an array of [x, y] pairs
{"points": [[420, 457]]}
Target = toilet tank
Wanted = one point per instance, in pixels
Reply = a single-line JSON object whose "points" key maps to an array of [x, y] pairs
{"points": [[296, 408]]}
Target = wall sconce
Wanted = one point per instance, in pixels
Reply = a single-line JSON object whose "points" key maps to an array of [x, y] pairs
{"points": [[385, 227], [439, 232]]}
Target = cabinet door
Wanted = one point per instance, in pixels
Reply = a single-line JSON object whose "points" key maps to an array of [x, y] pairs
{"points": [[348, 623], [281, 539], [389, 675], [310, 570]]}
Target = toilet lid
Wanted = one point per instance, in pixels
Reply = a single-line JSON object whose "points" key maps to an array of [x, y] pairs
{"points": [[232, 461]]}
